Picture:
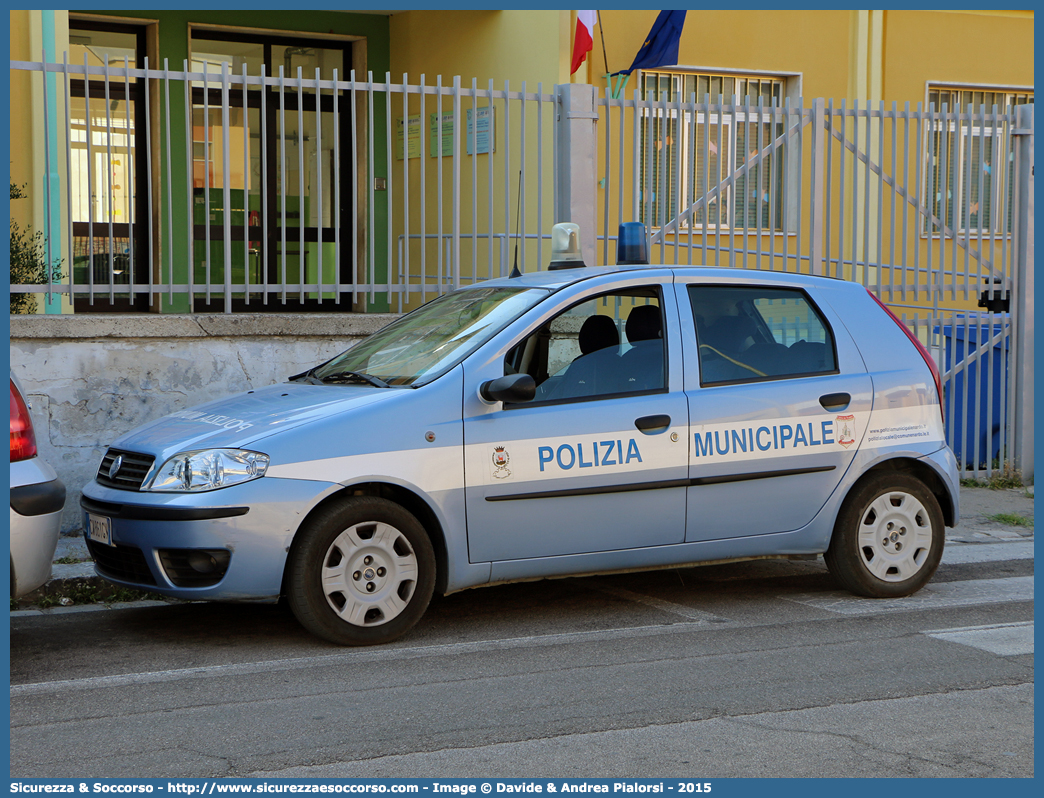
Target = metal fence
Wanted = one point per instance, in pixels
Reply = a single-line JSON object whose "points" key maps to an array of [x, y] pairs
{"points": [[234, 190], [209, 191], [930, 209]]}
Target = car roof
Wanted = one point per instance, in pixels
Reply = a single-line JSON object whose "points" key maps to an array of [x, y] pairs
{"points": [[561, 278]]}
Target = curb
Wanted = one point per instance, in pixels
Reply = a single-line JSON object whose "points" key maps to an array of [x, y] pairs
{"points": [[975, 527]]}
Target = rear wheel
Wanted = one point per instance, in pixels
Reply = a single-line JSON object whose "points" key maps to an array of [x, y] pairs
{"points": [[362, 572], [888, 538]]}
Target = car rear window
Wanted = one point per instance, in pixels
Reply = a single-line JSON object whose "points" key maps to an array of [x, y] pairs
{"points": [[755, 333]]}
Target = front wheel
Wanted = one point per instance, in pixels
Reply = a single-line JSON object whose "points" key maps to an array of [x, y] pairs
{"points": [[361, 572], [888, 538]]}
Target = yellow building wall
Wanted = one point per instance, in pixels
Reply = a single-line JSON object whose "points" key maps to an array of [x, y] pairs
{"points": [[769, 42], [27, 131], [865, 55], [513, 47], [841, 55], [20, 122], [813, 43], [502, 45], [991, 48]]}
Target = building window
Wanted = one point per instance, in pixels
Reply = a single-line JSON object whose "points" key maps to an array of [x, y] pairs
{"points": [[686, 154], [968, 161], [108, 188]]}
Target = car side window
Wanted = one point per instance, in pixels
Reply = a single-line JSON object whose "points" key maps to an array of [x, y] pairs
{"points": [[754, 333], [609, 345]]}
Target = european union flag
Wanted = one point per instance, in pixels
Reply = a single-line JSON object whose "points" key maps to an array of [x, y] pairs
{"points": [[661, 45]]}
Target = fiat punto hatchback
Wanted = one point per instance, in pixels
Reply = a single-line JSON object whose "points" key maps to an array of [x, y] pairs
{"points": [[564, 422]]}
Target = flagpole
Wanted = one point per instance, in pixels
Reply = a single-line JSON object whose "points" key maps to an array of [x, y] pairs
{"points": [[601, 32]]}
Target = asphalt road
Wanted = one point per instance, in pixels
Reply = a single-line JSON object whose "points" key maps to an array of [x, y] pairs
{"points": [[752, 669]]}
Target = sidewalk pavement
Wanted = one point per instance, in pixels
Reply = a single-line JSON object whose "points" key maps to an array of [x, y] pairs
{"points": [[977, 525]]}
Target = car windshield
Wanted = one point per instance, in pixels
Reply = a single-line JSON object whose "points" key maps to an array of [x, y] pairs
{"points": [[422, 345]]}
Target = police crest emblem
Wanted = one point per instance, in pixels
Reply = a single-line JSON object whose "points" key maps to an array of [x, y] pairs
{"points": [[501, 458], [844, 425]]}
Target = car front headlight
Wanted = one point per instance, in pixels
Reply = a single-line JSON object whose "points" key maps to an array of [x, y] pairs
{"points": [[208, 470]]}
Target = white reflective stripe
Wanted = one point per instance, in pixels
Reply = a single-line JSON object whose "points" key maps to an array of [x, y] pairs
{"points": [[894, 426], [626, 452], [433, 469], [760, 438]]}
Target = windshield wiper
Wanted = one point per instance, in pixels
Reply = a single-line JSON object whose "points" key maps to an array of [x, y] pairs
{"points": [[353, 376], [306, 376]]}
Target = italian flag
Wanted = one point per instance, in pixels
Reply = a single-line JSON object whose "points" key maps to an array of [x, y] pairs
{"points": [[584, 40]]}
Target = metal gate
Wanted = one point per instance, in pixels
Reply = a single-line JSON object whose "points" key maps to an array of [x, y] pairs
{"points": [[931, 210], [155, 162]]}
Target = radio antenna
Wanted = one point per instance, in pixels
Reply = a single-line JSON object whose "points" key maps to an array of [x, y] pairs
{"points": [[518, 212]]}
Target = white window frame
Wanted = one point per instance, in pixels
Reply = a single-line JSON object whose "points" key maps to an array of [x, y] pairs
{"points": [[1000, 180], [690, 151]]}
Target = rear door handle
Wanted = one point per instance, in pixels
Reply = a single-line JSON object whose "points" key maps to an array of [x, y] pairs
{"points": [[835, 401], [651, 425]]}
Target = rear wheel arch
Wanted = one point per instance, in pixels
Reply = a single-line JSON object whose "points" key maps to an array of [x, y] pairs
{"points": [[922, 471], [889, 535], [405, 498]]}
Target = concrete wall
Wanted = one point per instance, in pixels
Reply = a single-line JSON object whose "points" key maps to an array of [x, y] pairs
{"points": [[92, 378]]}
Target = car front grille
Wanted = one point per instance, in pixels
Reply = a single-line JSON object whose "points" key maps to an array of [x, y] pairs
{"points": [[125, 563], [131, 474]]}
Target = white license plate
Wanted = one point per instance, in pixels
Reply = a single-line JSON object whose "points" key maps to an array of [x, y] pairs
{"points": [[99, 528]]}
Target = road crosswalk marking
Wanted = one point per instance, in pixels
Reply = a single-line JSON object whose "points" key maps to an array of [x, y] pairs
{"points": [[935, 595], [962, 554], [1005, 639]]}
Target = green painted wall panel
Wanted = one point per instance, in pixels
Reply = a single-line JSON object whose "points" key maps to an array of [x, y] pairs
{"points": [[173, 27]]}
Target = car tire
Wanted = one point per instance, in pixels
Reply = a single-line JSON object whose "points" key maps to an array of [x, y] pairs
{"points": [[888, 538], [361, 572]]}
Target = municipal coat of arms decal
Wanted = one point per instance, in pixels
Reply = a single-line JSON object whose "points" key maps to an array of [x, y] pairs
{"points": [[501, 458], [844, 426]]}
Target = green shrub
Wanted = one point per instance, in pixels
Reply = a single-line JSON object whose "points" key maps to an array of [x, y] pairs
{"points": [[28, 261]]}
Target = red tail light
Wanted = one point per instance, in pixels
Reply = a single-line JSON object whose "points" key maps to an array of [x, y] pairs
{"points": [[920, 348], [23, 439]]}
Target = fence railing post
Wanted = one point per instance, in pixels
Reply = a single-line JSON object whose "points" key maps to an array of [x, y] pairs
{"points": [[576, 166], [1023, 293], [817, 211]]}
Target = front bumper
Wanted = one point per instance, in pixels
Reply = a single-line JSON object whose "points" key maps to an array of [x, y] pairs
{"points": [[159, 538]]}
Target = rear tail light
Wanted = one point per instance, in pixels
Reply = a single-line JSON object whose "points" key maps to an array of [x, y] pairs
{"points": [[920, 348], [23, 439]]}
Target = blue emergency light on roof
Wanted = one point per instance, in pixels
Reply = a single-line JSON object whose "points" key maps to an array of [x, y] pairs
{"points": [[630, 244], [565, 247]]}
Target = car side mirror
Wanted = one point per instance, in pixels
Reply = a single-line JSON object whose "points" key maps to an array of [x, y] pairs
{"points": [[509, 388]]}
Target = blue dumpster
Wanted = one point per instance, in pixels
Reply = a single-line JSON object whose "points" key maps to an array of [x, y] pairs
{"points": [[961, 342]]}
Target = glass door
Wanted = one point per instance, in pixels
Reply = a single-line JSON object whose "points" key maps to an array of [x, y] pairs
{"points": [[282, 173]]}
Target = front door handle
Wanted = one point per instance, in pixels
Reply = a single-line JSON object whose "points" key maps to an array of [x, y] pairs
{"points": [[835, 401], [652, 425]]}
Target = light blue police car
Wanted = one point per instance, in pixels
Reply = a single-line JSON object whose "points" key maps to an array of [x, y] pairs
{"points": [[574, 421]]}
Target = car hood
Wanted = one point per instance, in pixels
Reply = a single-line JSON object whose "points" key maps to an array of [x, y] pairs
{"points": [[239, 421]]}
